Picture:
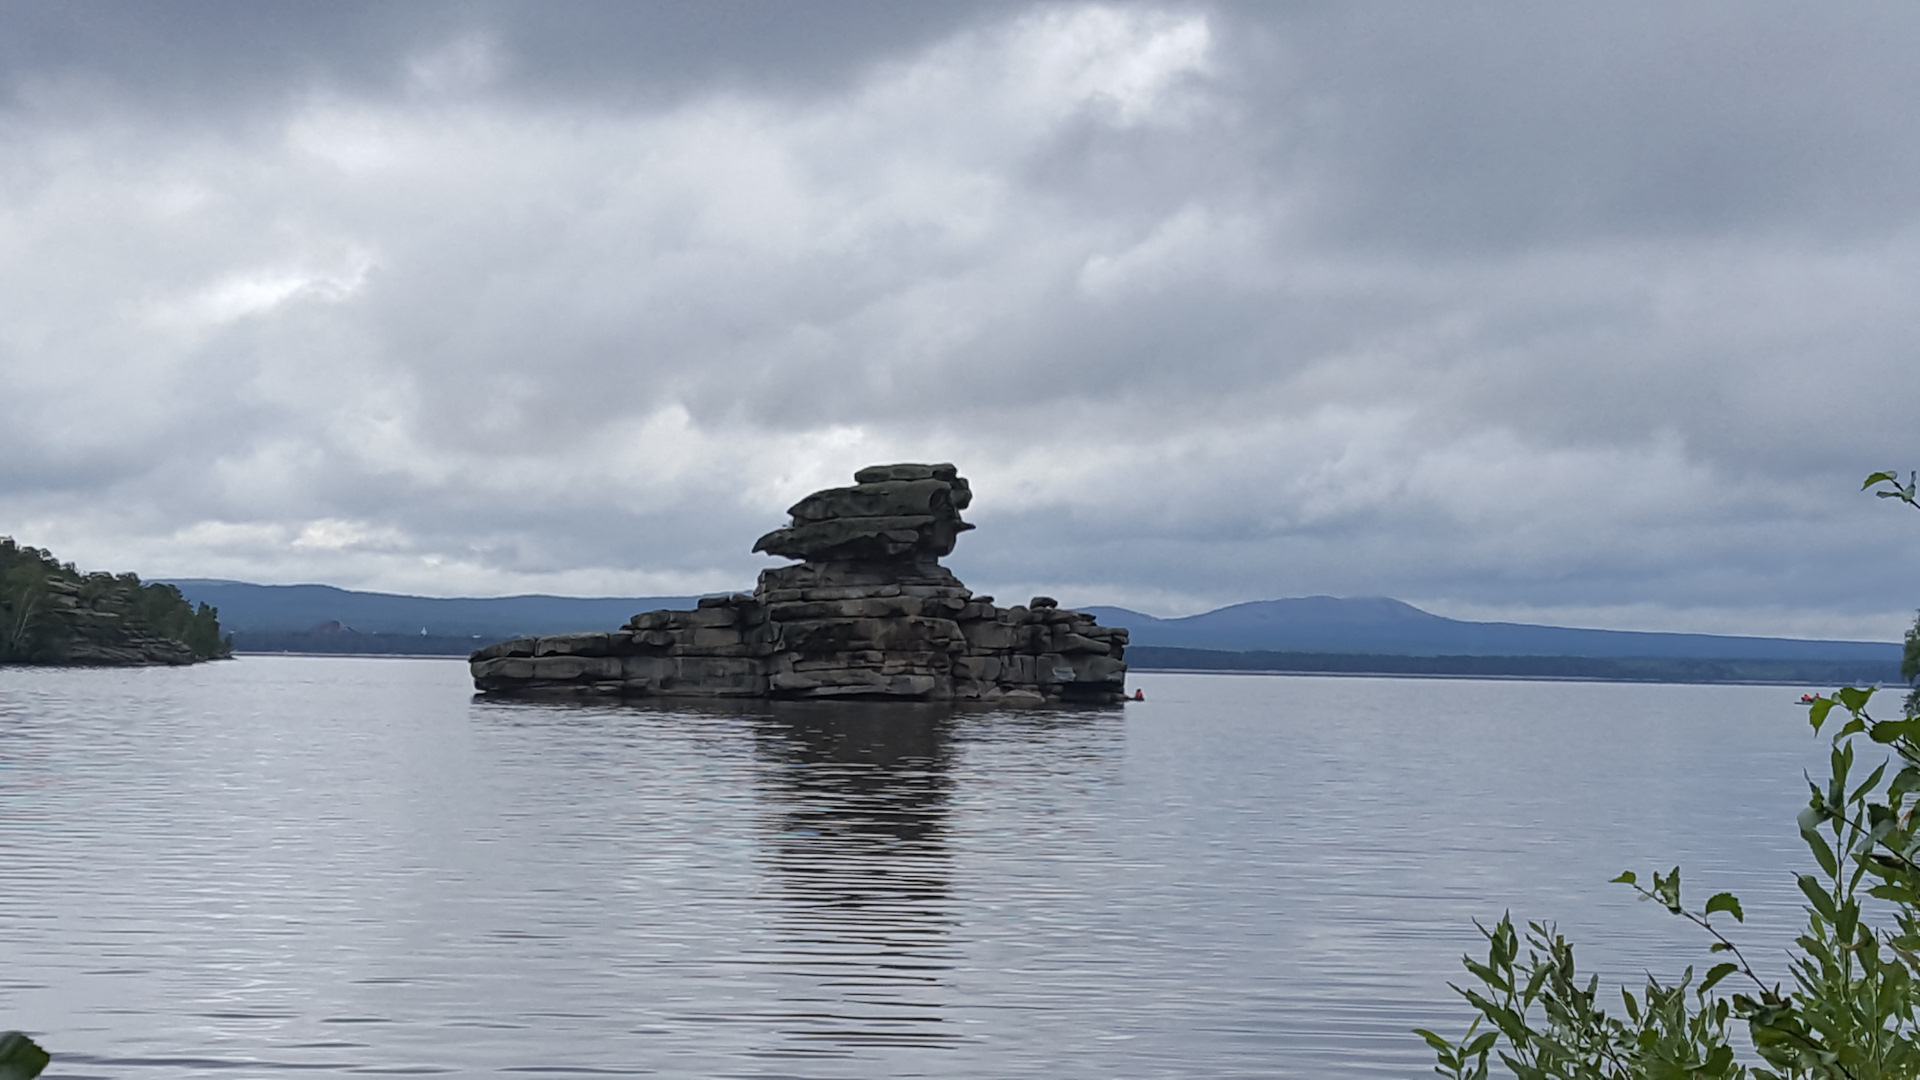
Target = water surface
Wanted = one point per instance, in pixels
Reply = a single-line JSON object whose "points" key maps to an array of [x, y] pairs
{"points": [[343, 866]]}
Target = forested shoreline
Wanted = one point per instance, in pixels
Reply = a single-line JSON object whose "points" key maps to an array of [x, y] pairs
{"points": [[52, 613]]}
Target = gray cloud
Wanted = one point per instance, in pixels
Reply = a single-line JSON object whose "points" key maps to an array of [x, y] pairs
{"points": [[203, 60], [1511, 311]]}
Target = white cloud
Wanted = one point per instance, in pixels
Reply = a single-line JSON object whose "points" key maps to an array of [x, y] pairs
{"points": [[333, 534], [255, 292], [1127, 61]]}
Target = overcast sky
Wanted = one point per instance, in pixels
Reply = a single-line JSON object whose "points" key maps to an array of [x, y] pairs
{"points": [[1593, 314]]}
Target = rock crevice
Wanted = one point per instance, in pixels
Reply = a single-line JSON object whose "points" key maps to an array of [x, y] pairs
{"points": [[867, 612]]}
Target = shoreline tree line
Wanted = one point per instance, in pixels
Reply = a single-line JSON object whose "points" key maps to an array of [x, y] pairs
{"points": [[53, 613]]}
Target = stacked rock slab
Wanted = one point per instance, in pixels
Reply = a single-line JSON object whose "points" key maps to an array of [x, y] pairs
{"points": [[867, 612]]}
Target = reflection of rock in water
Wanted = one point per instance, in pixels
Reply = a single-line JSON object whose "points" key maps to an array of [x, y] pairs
{"points": [[858, 851]]}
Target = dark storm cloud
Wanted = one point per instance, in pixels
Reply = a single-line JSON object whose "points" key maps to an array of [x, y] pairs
{"points": [[1595, 314], [1476, 127], [214, 55]]}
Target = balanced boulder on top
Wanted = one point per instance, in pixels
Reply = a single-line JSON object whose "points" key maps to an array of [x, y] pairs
{"points": [[892, 513]]}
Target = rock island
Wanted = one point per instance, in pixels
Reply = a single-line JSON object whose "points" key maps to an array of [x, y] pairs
{"points": [[867, 611]]}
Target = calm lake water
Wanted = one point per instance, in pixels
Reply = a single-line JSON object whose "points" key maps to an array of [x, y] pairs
{"points": [[334, 866]]}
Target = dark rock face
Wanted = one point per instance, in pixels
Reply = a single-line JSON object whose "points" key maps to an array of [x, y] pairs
{"points": [[869, 612], [898, 519]]}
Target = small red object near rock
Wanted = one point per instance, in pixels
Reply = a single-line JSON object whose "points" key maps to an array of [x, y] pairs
{"points": [[1139, 695]]}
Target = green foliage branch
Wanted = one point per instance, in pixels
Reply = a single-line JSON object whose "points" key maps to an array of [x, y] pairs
{"points": [[1910, 656], [1848, 1008]]}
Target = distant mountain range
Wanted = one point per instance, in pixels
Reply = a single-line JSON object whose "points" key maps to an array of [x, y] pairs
{"points": [[250, 611], [1383, 626], [1381, 636], [1303, 633]]}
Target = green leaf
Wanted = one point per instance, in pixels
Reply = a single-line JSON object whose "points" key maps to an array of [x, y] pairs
{"points": [[1522, 1070], [1887, 731], [1728, 903], [1822, 853], [1898, 894], [1868, 784], [1489, 975], [1719, 971], [1626, 878], [1508, 1021], [20, 1057], [1667, 889], [1817, 711], [1434, 1041], [1854, 697], [1845, 919], [1878, 478], [1818, 897], [1908, 779]]}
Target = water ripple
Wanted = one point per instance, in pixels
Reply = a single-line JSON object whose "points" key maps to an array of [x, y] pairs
{"points": [[345, 866]]}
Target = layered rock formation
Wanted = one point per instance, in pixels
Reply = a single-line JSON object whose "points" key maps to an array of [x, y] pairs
{"points": [[867, 612]]}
